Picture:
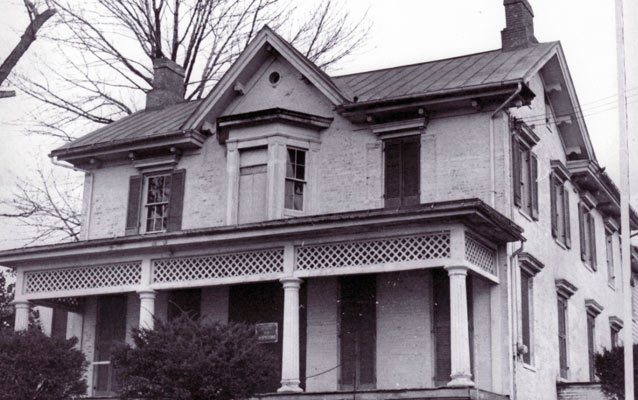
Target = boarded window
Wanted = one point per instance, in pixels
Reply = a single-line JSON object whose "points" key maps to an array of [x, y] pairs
{"points": [[562, 336], [402, 171], [186, 301], [358, 331], [110, 331], [252, 185]]}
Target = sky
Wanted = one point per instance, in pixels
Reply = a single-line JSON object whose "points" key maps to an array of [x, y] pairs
{"points": [[403, 32]]}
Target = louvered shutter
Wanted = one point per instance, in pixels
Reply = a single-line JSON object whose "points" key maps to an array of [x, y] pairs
{"points": [[581, 229], [533, 179], [567, 224], [592, 241], [176, 201], [393, 173], [516, 171], [410, 170], [133, 210], [562, 336], [553, 208]]}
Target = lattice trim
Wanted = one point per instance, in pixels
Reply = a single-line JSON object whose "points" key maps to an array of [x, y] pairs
{"points": [[480, 255], [219, 266], [87, 277], [374, 252]]}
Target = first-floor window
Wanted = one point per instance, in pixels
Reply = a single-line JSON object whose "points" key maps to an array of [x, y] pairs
{"points": [[295, 179], [591, 349], [526, 314], [562, 336], [184, 301], [110, 332], [158, 191], [615, 336]]}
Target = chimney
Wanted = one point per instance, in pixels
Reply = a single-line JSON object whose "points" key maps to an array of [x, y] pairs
{"points": [[519, 25], [168, 84]]}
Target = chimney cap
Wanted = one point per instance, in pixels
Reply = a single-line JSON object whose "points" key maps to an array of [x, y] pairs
{"points": [[164, 62]]}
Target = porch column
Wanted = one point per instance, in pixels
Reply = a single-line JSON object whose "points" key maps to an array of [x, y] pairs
{"points": [[459, 328], [290, 357], [147, 308], [22, 315]]}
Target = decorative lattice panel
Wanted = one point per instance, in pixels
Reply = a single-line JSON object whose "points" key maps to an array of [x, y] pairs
{"points": [[219, 266], [90, 277], [371, 252], [480, 255]]}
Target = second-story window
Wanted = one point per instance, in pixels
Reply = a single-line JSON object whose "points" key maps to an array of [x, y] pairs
{"points": [[525, 179], [587, 236], [559, 201], [158, 191], [609, 250], [295, 179], [402, 171]]}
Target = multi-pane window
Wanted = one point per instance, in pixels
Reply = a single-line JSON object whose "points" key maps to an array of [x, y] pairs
{"points": [[562, 336], [295, 179], [587, 236], [561, 229], [525, 178], [402, 171], [609, 250], [526, 314], [158, 190]]}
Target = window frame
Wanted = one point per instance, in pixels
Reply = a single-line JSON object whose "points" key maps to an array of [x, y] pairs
{"points": [[564, 290], [403, 199], [145, 206], [609, 254], [295, 179], [560, 204], [529, 267], [593, 310], [587, 230], [525, 169]]}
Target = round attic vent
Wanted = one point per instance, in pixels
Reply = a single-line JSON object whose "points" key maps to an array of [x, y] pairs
{"points": [[274, 78]]}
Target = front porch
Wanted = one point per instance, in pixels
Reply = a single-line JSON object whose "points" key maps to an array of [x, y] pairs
{"points": [[428, 322]]}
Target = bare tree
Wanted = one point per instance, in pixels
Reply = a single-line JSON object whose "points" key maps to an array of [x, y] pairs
{"points": [[37, 20]]}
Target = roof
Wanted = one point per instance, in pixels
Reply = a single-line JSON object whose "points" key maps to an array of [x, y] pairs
{"points": [[465, 72], [137, 126]]}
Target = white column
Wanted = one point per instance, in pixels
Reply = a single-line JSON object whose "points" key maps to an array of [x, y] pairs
{"points": [[22, 315], [147, 308], [459, 328], [290, 357]]}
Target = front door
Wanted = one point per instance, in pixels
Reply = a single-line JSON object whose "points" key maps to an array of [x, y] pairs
{"points": [[110, 331]]}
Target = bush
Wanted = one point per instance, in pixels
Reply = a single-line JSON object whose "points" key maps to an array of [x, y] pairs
{"points": [[188, 359], [610, 369], [35, 366]]}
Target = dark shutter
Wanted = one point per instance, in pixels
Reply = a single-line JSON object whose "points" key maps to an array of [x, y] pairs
{"points": [[441, 325], [562, 336], [581, 230], [176, 201], [591, 331], [134, 199], [553, 209], [567, 224], [533, 181], [410, 170], [516, 171], [393, 173], [592, 241], [525, 315]]}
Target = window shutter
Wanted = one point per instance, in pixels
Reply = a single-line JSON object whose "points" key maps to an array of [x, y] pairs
{"points": [[411, 165], [134, 199], [567, 224], [533, 179], [581, 229], [592, 241], [516, 171], [392, 173], [176, 201], [553, 208]]}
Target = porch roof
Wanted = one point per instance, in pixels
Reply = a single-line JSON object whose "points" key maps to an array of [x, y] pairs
{"points": [[473, 213]]}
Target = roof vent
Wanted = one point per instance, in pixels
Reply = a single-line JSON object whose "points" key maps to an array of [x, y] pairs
{"points": [[168, 84], [519, 25]]}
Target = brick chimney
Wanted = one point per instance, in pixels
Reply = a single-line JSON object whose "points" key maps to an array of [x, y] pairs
{"points": [[168, 84], [519, 25]]}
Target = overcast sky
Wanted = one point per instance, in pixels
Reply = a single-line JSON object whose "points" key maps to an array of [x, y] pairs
{"points": [[403, 32]]}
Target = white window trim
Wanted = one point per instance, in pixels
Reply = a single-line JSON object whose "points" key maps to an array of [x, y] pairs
{"points": [[144, 208]]}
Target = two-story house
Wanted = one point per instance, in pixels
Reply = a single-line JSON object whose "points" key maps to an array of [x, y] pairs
{"points": [[433, 230]]}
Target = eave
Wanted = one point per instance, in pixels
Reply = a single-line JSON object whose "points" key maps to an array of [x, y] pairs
{"points": [[474, 213]]}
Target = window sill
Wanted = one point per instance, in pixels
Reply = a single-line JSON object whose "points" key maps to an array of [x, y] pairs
{"points": [[528, 367], [293, 213], [612, 286], [589, 268], [560, 244], [525, 215], [560, 379]]}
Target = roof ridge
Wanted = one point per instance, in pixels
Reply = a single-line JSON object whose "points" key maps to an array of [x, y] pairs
{"points": [[426, 62]]}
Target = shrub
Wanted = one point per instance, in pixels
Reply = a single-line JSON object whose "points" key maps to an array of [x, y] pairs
{"points": [[35, 366], [188, 359], [610, 369]]}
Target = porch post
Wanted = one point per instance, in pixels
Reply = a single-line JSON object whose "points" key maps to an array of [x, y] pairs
{"points": [[459, 328], [22, 315], [290, 357], [147, 308]]}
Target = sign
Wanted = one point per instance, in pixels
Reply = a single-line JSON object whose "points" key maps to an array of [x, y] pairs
{"points": [[267, 332]]}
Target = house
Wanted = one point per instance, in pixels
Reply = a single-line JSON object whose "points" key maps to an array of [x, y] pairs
{"points": [[437, 230]]}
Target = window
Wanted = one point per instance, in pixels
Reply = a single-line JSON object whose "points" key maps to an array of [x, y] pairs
{"points": [[253, 182], [295, 179], [529, 267], [564, 291], [609, 251], [358, 331], [110, 331], [614, 336], [402, 171], [155, 202], [559, 201], [615, 326], [587, 236], [525, 179], [184, 301], [591, 331]]}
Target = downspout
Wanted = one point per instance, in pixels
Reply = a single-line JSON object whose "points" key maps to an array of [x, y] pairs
{"points": [[518, 90]]}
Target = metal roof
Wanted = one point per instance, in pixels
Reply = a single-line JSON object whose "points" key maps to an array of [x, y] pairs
{"points": [[139, 125], [469, 71]]}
